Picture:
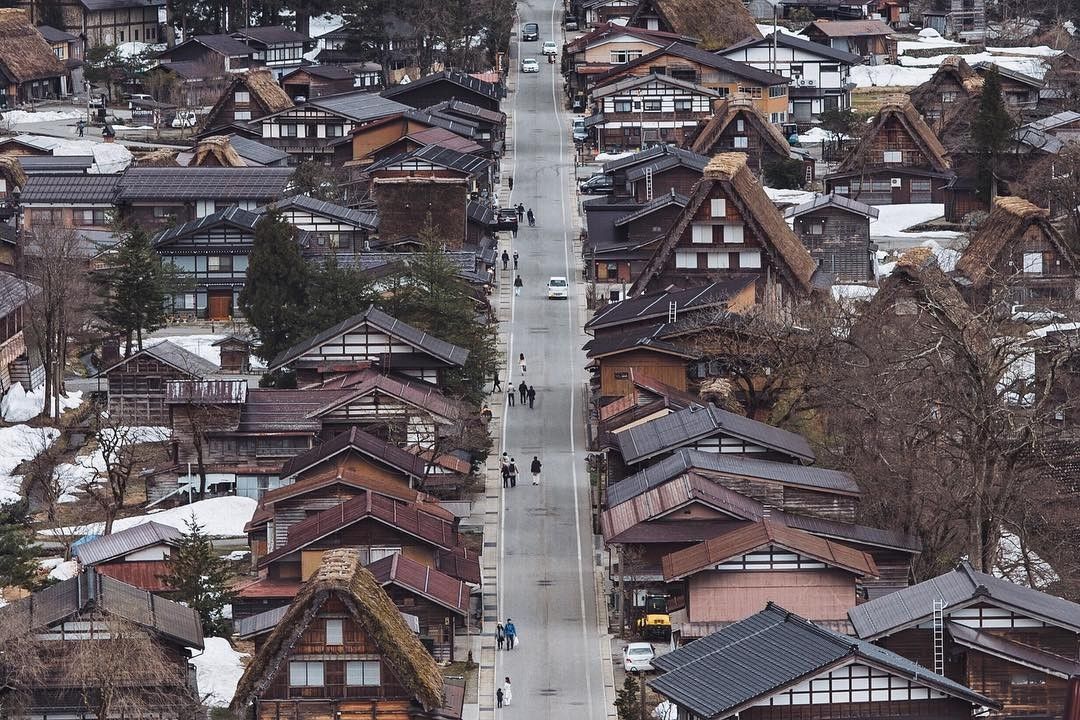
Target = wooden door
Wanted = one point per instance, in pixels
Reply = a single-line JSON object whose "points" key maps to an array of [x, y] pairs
{"points": [[219, 305]]}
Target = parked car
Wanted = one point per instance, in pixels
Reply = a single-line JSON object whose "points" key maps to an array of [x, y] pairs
{"points": [[569, 22], [184, 119], [550, 48], [530, 31], [506, 219], [598, 184], [638, 657], [579, 131], [135, 97], [529, 65], [557, 288]]}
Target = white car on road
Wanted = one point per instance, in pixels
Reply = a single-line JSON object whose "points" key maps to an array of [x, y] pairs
{"points": [[638, 657], [557, 288], [529, 65], [550, 48]]}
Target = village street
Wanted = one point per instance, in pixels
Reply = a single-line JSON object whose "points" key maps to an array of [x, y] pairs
{"points": [[546, 551]]}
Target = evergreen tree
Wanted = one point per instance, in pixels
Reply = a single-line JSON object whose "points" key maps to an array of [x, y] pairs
{"points": [[18, 559], [335, 293], [274, 299], [628, 699], [201, 578], [135, 291], [990, 133]]}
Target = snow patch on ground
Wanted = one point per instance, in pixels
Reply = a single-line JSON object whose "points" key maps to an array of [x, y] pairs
{"points": [[893, 221], [88, 469], [219, 517], [816, 134], [22, 117], [201, 345], [865, 76], [1030, 62], [218, 669], [20, 406], [60, 569], [789, 197], [853, 292], [18, 444], [323, 24], [766, 29]]}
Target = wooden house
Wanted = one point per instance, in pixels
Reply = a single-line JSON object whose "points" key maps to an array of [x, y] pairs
{"points": [[737, 125], [235, 354], [948, 93], [605, 46], [329, 229], [490, 125], [85, 202], [725, 77], [697, 304], [870, 39], [29, 68], [836, 231], [370, 338], [899, 161], [730, 227], [137, 556], [440, 161], [716, 24], [366, 140], [637, 111], [1018, 250], [342, 646], [820, 76], [592, 13], [104, 22], [218, 54], [444, 199], [1016, 645], [311, 81], [137, 383], [446, 85], [91, 607], [67, 47], [960, 19], [249, 95], [669, 167], [277, 47], [751, 669], [614, 355], [1019, 91], [15, 365]]}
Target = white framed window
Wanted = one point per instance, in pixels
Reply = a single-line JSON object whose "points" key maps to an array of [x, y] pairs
{"points": [[718, 260], [683, 105], [360, 673], [841, 189], [242, 96], [741, 142], [335, 632], [241, 115], [653, 104], [305, 674], [817, 228], [733, 234], [893, 156], [750, 259], [701, 234], [1033, 263], [718, 207], [740, 125], [686, 259]]}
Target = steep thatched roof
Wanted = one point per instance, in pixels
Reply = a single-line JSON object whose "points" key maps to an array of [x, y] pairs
{"points": [[729, 170], [162, 157], [24, 54], [343, 575], [728, 110], [718, 23], [11, 170], [220, 150], [1008, 223], [954, 69], [917, 273], [267, 97], [899, 107]]}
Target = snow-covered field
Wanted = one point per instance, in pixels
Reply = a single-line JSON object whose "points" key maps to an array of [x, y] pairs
{"points": [[23, 117], [893, 220], [18, 444], [218, 670], [913, 71], [789, 197], [219, 517], [88, 468], [20, 406]]}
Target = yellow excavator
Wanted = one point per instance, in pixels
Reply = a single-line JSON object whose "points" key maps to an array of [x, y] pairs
{"points": [[654, 622]]}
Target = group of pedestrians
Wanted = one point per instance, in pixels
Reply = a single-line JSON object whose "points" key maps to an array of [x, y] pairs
{"points": [[522, 214], [505, 636], [525, 393], [509, 470]]}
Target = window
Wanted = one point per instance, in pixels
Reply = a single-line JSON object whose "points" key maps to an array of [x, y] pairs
{"points": [[288, 130], [683, 105], [652, 105], [619, 57], [949, 96], [741, 142], [686, 259], [242, 96], [718, 260], [749, 259], [1027, 678], [777, 91], [623, 105], [161, 212], [90, 217], [724, 92], [305, 674], [718, 207], [335, 131], [241, 114], [219, 263], [1033, 263], [362, 673], [816, 228], [334, 632], [740, 125], [830, 69], [753, 92], [841, 190], [378, 552], [701, 234], [796, 69], [893, 156], [733, 234]]}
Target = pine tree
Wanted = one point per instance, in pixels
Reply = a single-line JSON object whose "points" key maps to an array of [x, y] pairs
{"points": [[136, 289], [335, 292], [628, 699], [990, 133], [18, 559], [274, 298], [202, 579]]}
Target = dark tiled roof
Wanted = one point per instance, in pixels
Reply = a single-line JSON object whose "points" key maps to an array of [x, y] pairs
{"points": [[436, 155], [444, 351], [464, 128], [255, 151], [96, 5], [462, 80], [14, 292], [190, 69], [358, 106], [469, 110], [223, 44], [832, 200], [480, 212], [688, 459], [708, 59], [697, 422], [790, 41], [328, 72], [203, 183], [648, 337], [680, 158], [253, 625], [55, 163], [436, 586], [173, 355], [70, 189], [360, 441], [754, 658], [109, 547], [1018, 653], [652, 306], [285, 410], [234, 216], [617, 86], [54, 35], [899, 609], [367, 219], [272, 34]]}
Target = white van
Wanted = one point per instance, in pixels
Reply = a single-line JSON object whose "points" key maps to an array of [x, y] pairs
{"points": [[557, 288]]}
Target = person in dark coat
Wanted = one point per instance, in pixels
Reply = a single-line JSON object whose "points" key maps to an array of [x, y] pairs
{"points": [[499, 692], [520, 212], [500, 636], [513, 473], [523, 392], [506, 475], [505, 259], [531, 394], [496, 383], [535, 470], [518, 284], [515, 260]]}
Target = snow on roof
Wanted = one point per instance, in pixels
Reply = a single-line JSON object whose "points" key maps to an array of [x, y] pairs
{"points": [[219, 517]]}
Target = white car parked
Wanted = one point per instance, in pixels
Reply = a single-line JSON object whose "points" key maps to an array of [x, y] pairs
{"points": [[529, 65], [557, 288], [638, 656]]}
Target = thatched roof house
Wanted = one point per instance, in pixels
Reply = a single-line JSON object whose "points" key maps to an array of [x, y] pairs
{"points": [[916, 286], [729, 211], [342, 589], [718, 23], [763, 140], [216, 151], [28, 66], [11, 171], [162, 157], [899, 110], [259, 95]]}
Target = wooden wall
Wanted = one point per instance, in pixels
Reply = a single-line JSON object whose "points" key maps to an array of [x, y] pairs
{"points": [[615, 371], [731, 596]]}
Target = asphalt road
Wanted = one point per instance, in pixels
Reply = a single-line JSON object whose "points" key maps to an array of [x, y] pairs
{"points": [[546, 552]]}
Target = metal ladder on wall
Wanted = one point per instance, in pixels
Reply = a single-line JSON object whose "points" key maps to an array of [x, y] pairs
{"points": [[648, 184], [672, 311], [939, 636]]}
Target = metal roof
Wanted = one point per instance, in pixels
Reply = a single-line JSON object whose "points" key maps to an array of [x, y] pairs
{"points": [[1055, 121], [683, 158], [613, 88], [798, 43], [652, 306], [248, 627], [755, 658], [648, 337], [234, 216], [173, 355], [255, 151], [72, 189], [465, 128], [14, 292], [1015, 652], [708, 59], [55, 35], [203, 183], [436, 155], [702, 421], [357, 106], [456, 77], [271, 34], [55, 163], [832, 200], [367, 219], [440, 588], [109, 547], [223, 44], [902, 608], [95, 5], [360, 441], [850, 28], [469, 110], [689, 157]]}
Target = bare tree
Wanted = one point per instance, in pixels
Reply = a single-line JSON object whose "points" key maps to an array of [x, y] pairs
{"points": [[22, 664]]}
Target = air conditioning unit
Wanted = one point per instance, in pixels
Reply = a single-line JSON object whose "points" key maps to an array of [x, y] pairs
{"points": [[810, 83], [801, 83], [896, 182]]}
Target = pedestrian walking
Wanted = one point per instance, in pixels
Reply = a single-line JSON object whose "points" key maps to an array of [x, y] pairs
{"points": [[535, 469], [499, 692], [513, 474], [518, 284], [505, 259], [510, 182], [515, 259], [511, 635], [523, 391], [486, 414], [496, 383], [531, 394], [500, 635], [507, 691], [81, 127], [506, 475], [510, 397], [521, 359], [520, 212], [532, 218]]}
